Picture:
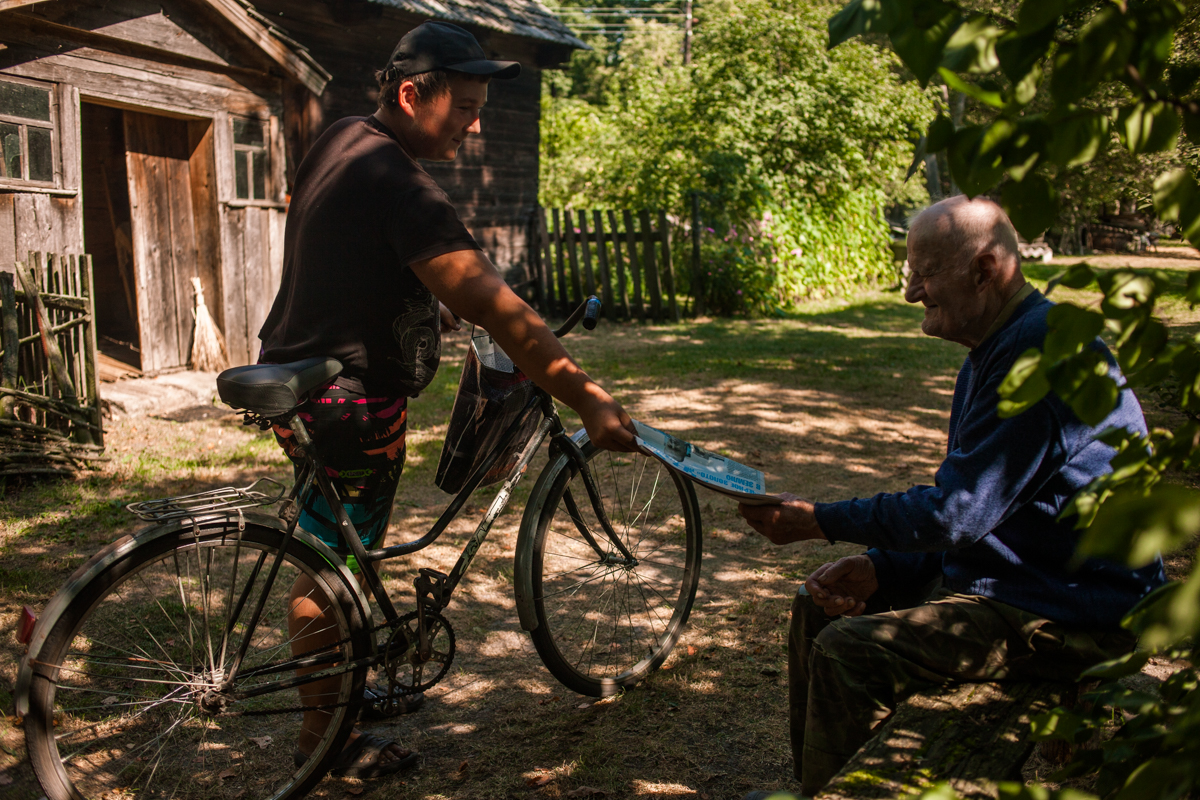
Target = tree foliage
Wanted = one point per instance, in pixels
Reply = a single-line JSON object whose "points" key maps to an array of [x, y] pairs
{"points": [[795, 151], [1056, 80]]}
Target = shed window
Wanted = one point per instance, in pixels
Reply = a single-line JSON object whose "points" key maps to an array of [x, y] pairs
{"points": [[251, 159], [26, 133]]}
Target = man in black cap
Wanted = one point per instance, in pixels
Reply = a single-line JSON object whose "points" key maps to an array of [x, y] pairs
{"points": [[371, 246]]}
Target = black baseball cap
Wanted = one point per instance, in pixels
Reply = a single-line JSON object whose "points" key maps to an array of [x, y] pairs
{"points": [[441, 45]]}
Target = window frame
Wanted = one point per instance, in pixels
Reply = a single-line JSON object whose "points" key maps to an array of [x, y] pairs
{"points": [[23, 124], [253, 153]]}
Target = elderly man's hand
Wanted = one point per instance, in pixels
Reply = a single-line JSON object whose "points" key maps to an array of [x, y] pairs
{"points": [[792, 520], [843, 586]]}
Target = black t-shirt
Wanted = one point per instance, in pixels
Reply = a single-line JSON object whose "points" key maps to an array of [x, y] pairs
{"points": [[362, 210]]}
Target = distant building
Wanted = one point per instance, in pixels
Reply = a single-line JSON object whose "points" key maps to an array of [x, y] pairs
{"points": [[161, 138]]}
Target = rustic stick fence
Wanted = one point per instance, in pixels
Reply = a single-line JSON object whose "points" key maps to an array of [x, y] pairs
{"points": [[50, 416], [623, 257]]}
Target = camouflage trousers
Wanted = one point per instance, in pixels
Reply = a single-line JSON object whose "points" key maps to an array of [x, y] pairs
{"points": [[846, 674]]}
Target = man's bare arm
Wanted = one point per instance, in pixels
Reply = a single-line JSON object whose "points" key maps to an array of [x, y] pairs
{"points": [[470, 286]]}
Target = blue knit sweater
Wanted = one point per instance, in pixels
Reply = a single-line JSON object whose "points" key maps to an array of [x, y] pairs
{"points": [[989, 524]]}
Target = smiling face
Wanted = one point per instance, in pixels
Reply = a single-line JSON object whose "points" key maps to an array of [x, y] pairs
{"points": [[948, 289], [443, 122]]}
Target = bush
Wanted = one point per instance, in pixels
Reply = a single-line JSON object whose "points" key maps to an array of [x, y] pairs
{"points": [[795, 151]]}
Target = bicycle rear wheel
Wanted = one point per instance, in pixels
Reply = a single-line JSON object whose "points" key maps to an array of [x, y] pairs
{"points": [[125, 699], [605, 622]]}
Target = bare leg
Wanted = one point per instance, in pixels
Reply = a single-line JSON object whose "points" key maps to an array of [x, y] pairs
{"points": [[311, 625]]}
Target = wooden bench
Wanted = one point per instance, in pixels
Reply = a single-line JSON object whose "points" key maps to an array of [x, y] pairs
{"points": [[971, 735]]}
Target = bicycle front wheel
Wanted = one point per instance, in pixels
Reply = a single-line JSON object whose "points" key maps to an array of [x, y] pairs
{"points": [[607, 620], [129, 697]]}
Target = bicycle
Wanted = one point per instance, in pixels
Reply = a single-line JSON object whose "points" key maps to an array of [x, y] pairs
{"points": [[164, 666]]}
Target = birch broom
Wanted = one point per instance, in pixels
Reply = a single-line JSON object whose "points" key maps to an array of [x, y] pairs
{"points": [[208, 345]]}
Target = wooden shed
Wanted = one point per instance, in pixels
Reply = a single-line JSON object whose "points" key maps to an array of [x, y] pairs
{"points": [[494, 180], [150, 134], [161, 136]]}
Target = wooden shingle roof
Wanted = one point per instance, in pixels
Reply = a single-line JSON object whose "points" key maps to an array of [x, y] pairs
{"points": [[526, 18]]}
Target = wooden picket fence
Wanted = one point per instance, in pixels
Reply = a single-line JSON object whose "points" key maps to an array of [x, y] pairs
{"points": [[625, 260], [50, 415]]}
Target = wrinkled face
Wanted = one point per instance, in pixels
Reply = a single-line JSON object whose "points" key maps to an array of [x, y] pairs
{"points": [[945, 285], [443, 123]]}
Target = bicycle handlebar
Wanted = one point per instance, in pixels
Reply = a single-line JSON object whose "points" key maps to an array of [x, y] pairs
{"points": [[588, 311]]}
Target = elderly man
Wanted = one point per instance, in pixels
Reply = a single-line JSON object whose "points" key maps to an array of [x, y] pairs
{"points": [[970, 579]]}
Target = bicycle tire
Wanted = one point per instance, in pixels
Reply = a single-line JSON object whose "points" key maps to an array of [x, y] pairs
{"points": [[116, 688], [602, 626]]}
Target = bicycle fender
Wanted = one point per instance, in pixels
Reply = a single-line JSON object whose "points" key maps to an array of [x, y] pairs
{"points": [[523, 561], [120, 549]]}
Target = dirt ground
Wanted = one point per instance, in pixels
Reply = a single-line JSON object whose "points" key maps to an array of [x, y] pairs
{"points": [[712, 723]]}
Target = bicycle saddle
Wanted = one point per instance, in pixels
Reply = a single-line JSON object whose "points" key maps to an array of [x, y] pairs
{"points": [[272, 390]]}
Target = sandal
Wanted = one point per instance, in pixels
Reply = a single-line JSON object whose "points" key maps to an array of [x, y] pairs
{"points": [[378, 704], [360, 759]]}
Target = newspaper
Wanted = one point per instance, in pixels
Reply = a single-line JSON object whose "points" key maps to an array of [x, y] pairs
{"points": [[705, 467]]}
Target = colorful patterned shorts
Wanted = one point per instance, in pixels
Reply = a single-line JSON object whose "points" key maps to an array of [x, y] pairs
{"points": [[360, 442]]}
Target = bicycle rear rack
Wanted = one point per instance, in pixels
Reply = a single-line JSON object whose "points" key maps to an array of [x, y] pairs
{"points": [[229, 498]]}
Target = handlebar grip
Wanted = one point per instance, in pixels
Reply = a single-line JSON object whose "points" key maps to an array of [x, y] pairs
{"points": [[592, 313]]}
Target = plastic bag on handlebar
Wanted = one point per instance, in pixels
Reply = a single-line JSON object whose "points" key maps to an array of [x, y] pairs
{"points": [[492, 394]]}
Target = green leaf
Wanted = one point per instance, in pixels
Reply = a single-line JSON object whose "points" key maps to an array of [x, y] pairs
{"points": [[1164, 778], [1148, 127], [1031, 204], [1191, 123], [939, 791], [920, 38], [1182, 78], [1100, 52], [918, 159], [993, 99], [1078, 276], [1024, 385], [1026, 89], [1193, 288], [1058, 723], [1077, 138], [1125, 289], [1037, 14], [976, 155], [1134, 527], [1143, 346], [972, 48], [941, 130], [1128, 664], [863, 16], [1153, 614], [1095, 399], [1071, 330], [1018, 52], [1177, 197]]}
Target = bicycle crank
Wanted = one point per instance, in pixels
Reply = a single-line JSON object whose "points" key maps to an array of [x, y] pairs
{"points": [[411, 667]]}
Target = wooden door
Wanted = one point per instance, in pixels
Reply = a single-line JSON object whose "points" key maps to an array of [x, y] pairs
{"points": [[164, 236]]}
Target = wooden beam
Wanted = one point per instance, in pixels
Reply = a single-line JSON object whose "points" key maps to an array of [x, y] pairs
{"points": [[295, 60], [127, 47], [8, 5]]}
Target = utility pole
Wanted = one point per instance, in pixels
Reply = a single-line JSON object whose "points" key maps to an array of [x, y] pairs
{"points": [[687, 32]]}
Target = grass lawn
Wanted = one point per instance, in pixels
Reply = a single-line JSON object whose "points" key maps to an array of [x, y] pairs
{"points": [[845, 399]]}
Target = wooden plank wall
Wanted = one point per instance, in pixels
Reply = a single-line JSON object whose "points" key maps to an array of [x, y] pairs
{"points": [[622, 257]]}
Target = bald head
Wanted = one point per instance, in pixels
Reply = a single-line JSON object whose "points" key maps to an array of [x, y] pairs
{"points": [[965, 267], [959, 229]]}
